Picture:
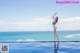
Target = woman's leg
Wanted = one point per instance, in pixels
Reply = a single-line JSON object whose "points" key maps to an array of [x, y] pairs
{"points": [[55, 33]]}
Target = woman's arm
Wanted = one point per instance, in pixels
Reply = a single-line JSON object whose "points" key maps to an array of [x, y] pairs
{"points": [[54, 15]]}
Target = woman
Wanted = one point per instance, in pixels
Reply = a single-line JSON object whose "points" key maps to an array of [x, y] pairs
{"points": [[55, 20]]}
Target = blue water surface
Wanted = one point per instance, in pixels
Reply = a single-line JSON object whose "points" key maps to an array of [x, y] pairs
{"points": [[43, 47]]}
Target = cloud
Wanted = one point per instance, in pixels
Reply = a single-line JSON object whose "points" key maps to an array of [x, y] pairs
{"points": [[72, 36], [40, 24], [32, 25], [69, 23], [43, 20], [74, 19], [27, 40]]}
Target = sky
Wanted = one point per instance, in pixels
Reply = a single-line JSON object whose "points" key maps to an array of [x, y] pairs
{"points": [[36, 15]]}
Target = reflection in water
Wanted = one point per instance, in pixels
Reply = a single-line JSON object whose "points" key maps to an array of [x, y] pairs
{"points": [[56, 46]]}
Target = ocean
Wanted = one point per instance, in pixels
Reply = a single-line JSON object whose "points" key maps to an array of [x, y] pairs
{"points": [[39, 36], [40, 42]]}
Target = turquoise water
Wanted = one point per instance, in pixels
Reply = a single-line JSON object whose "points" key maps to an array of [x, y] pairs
{"points": [[39, 36]]}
